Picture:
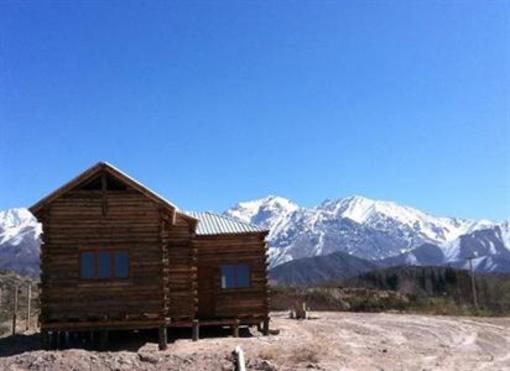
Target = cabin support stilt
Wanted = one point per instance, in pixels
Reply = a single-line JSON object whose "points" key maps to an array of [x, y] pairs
{"points": [[195, 330], [67, 341], [163, 342], [58, 340], [45, 340], [265, 327], [103, 339], [235, 329]]}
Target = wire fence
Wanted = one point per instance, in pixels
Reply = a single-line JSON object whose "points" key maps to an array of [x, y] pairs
{"points": [[19, 306]]}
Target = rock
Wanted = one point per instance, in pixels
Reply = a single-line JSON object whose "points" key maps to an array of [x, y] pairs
{"points": [[262, 365], [149, 358]]}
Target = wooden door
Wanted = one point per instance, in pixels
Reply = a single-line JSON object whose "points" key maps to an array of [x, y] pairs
{"points": [[206, 291]]}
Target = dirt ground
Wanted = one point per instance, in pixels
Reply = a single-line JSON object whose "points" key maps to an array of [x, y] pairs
{"points": [[332, 341]]}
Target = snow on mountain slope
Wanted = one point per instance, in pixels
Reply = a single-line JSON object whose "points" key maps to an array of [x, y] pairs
{"points": [[355, 225], [419, 227], [19, 241], [488, 248], [266, 212]]}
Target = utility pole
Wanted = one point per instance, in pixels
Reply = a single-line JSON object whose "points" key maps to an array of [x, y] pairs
{"points": [[473, 281], [29, 299], [14, 310]]}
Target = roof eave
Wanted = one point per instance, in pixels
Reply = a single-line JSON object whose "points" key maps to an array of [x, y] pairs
{"points": [[263, 233]]}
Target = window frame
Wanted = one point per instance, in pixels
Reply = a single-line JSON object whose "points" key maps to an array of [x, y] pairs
{"points": [[96, 264], [235, 276]]}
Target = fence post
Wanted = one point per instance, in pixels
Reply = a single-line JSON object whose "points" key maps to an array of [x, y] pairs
{"points": [[14, 309], [29, 298], [473, 282]]}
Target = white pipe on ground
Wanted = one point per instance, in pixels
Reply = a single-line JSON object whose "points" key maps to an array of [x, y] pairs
{"points": [[239, 358]]}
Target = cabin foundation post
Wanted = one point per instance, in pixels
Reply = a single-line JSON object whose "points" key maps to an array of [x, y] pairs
{"points": [[49, 340], [195, 330], [45, 339], [54, 340], [163, 342], [265, 327], [91, 338], [235, 329], [103, 339], [57, 340], [67, 341]]}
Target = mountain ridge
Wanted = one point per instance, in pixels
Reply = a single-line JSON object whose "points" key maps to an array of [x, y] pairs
{"points": [[360, 226]]}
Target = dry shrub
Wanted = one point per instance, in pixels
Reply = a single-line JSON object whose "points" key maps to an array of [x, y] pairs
{"points": [[306, 354], [309, 353], [312, 353], [271, 353]]}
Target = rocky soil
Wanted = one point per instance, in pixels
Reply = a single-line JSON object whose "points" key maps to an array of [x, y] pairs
{"points": [[328, 341]]}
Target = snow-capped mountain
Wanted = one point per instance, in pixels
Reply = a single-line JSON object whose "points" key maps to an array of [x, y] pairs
{"points": [[489, 249], [19, 241], [357, 225]]}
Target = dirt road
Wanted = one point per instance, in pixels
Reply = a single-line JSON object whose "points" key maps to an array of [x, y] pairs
{"points": [[333, 341]]}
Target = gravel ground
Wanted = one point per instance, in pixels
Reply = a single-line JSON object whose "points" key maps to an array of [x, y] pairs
{"points": [[331, 341]]}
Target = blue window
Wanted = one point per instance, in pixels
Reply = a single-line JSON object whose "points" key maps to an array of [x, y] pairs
{"points": [[104, 264], [121, 264], [243, 275], [235, 276], [87, 265], [227, 276]]}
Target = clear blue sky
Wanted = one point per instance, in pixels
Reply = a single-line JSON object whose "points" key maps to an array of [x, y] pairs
{"points": [[214, 102]]}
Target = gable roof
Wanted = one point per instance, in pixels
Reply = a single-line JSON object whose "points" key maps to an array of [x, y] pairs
{"points": [[114, 172], [214, 224]]}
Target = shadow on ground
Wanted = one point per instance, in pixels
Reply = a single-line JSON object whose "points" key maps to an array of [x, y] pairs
{"points": [[117, 341]]}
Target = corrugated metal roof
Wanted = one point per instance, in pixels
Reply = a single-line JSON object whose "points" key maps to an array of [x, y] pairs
{"points": [[210, 224]]}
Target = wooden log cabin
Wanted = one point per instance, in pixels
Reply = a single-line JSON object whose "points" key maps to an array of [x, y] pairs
{"points": [[117, 256]]}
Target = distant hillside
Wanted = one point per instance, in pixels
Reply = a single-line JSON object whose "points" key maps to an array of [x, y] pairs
{"points": [[333, 267]]}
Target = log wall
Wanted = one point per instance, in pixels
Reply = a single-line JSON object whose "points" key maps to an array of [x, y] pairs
{"points": [[248, 248], [124, 219], [182, 271]]}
